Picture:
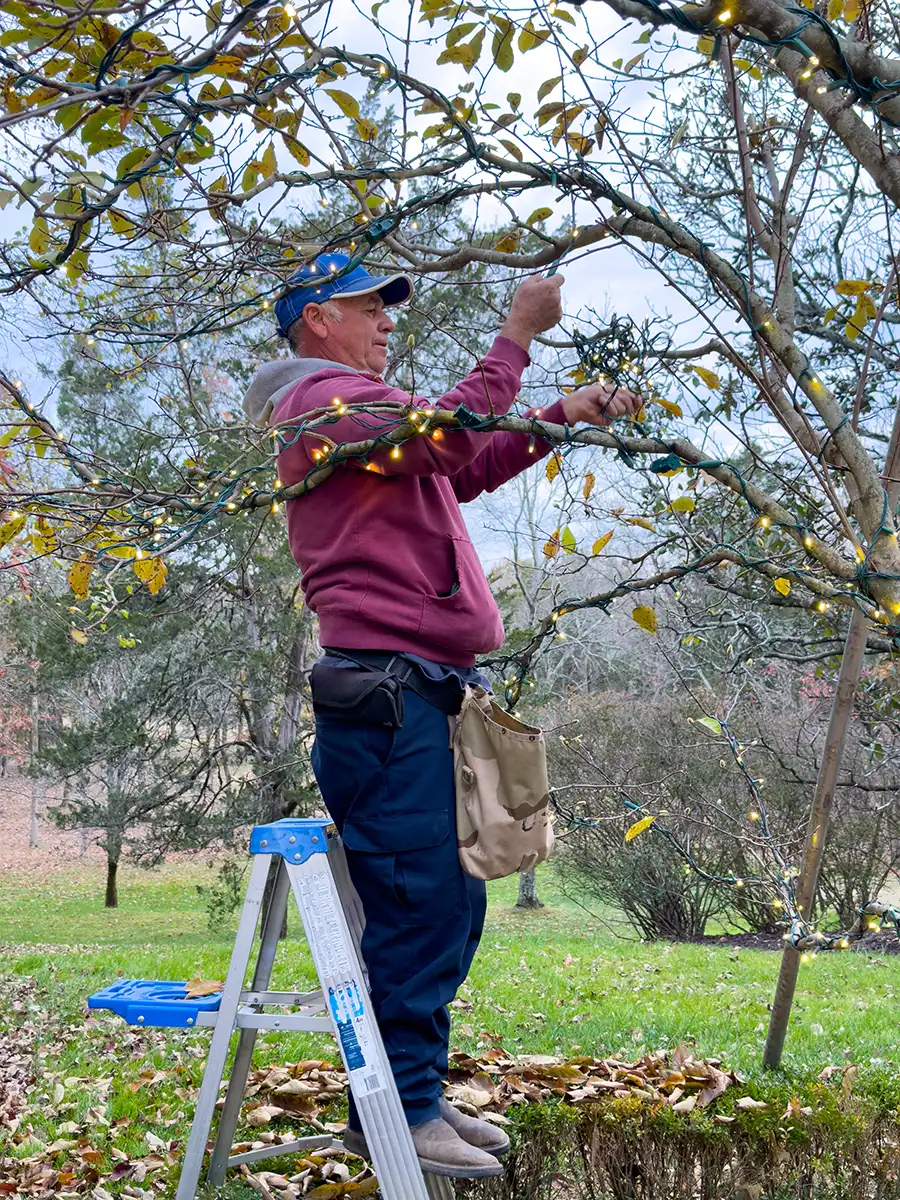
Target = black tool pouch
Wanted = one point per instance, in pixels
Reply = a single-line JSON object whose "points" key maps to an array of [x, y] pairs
{"points": [[363, 697]]}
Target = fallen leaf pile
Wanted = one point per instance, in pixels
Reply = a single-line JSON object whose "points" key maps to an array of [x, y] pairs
{"points": [[490, 1085]]}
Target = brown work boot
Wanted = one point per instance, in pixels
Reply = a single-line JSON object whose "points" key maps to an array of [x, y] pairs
{"points": [[440, 1150], [478, 1133]]}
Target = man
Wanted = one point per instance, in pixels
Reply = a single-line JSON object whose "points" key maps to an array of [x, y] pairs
{"points": [[389, 569]]}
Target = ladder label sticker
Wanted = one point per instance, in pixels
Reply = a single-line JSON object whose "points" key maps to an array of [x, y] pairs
{"points": [[323, 927], [348, 1008]]}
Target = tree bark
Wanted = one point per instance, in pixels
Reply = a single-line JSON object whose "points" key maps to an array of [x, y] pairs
{"points": [[34, 823], [112, 891], [528, 897]]}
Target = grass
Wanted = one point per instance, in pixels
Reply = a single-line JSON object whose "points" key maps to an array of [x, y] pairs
{"points": [[546, 981]]}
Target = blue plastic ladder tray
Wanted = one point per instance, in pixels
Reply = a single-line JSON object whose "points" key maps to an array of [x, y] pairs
{"points": [[154, 1002]]}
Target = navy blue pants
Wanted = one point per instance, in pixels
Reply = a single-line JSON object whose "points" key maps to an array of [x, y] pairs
{"points": [[391, 794]]}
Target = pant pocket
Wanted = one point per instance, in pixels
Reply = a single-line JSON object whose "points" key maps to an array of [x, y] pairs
{"points": [[426, 879]]}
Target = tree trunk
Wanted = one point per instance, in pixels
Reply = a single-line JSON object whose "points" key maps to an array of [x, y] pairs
{"points": [[37, 787], [528, 897], [823, 798], [112, 891]]}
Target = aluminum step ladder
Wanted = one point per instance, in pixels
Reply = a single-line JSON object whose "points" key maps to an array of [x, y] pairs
{"points": [[311, 864]]}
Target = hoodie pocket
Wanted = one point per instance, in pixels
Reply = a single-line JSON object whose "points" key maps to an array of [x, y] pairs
{"points": [[467, 618]]}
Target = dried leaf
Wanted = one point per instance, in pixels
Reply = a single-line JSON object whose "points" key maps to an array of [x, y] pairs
{"points": [[197, 987]]}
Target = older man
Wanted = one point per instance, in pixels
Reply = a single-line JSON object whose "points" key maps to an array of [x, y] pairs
{"points": [[388, 567]]}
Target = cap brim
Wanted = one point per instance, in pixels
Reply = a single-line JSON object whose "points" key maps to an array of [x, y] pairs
{"points": [[393, 290]]}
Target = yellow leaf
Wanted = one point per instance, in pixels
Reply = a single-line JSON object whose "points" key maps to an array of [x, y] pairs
{"points": [[783, 586], [639, 826], [45, 537], [502, 44], [554, 462], [643, 522], [852, 10], [367, 130], [297, 149], [531, 37], [508, 244], [120, 223], [852, 287], [851, 331], [268, 162], [80, 577], [830, 314], [669, 405], [152, 571], [348, 104], [39, 238], [633, 62], [645, 616], [705, 45], [197, 987], [79, 636], [115, 550], [710, 378], [588, 485], [551, 548], [835, 8], [11, 529], [601, 542], [539, 214], [684, 504]]}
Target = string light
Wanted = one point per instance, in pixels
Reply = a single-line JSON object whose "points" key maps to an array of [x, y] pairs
{"points": [[765, 522]]}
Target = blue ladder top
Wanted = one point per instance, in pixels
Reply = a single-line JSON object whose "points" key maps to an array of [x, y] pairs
{"points": [[294, 839], [154, 1002], [162, 1003]]}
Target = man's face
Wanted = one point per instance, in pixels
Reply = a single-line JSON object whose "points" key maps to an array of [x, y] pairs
{"points": [[360, 338]]}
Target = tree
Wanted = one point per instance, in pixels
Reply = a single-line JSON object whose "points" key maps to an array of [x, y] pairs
{"points": [[760, 190]]}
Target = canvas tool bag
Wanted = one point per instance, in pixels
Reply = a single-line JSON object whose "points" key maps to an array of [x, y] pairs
{"points": [[503, 821]]}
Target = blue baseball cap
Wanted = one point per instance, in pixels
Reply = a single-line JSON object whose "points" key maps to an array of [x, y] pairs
{"points": [[326, 278]]}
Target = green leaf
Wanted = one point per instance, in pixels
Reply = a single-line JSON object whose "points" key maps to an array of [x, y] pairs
{"points": [[567, 541], [547, 87], [348, 104], [5, 197], [710, 723], [502, 44], [643, 39], [120, 223]]}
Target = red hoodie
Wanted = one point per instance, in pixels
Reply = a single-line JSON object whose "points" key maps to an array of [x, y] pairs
{"points": [[386, 560]]}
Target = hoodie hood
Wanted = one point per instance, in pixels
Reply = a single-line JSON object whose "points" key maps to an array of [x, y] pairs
{"points": [[274, 379]]}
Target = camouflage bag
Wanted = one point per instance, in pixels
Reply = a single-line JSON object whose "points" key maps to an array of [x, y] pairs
{"points": [[503, 822]]}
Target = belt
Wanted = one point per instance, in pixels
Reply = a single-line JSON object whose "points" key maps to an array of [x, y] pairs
{"points": [[445, 694]]}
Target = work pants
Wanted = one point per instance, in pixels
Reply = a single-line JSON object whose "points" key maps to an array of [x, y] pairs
{"points": [[391, 794]]}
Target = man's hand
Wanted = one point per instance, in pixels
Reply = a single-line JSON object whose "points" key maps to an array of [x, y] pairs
{"points": [[536, 307], [600, 403]]}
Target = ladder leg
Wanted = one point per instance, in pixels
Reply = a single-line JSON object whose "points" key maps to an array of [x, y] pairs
{"points": [[221, 1038], [340, 972], [243, 1057]]}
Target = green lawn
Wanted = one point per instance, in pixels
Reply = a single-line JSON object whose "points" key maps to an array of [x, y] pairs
{"points": [[551, 981]]}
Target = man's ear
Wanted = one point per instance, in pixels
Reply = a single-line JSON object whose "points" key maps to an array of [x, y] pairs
{"points": [[314, 320]]}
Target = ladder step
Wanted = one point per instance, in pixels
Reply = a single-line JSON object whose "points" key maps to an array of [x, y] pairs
{"points": [[158, 1002], [300, 1146]]}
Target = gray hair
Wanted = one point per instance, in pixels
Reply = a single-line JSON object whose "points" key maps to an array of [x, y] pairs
{"points": [[331, 308]]}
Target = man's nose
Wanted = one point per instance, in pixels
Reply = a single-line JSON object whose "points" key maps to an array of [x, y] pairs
{"points": [[386, 325]]}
